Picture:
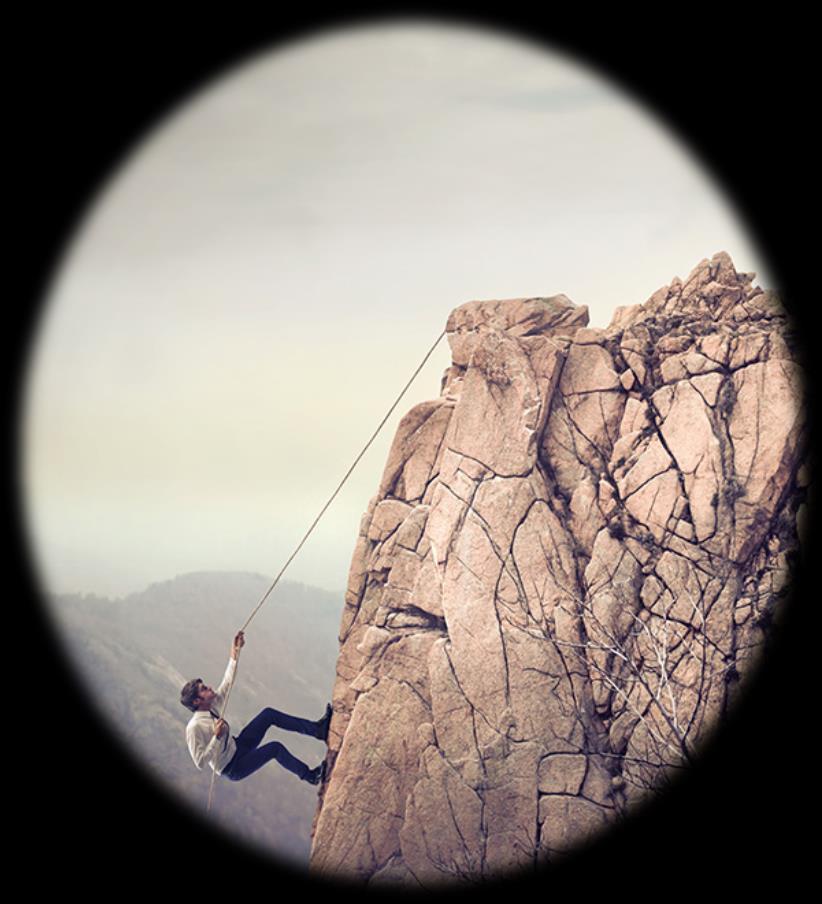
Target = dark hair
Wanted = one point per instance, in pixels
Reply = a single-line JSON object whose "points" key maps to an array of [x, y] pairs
{"points": [[190, 693]]}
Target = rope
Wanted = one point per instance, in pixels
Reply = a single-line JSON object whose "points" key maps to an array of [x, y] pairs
{"points": [[308, 534]]}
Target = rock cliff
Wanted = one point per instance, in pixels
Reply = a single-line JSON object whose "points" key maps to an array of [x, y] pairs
{"points": [[564, 579]]}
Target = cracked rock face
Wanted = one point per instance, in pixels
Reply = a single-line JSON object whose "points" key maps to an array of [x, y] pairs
{"points": [[564, 579]]}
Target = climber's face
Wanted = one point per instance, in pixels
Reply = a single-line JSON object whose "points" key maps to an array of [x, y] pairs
{"points": [[205, 696]]}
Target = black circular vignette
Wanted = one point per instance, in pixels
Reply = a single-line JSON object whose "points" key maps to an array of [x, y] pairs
{"points": [[87, 89]]}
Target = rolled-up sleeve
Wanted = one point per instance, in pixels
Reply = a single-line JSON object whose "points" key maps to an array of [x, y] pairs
{"points": [[227, 679]]}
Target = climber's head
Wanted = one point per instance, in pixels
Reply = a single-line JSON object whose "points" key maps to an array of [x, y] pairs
{"points": [[197, 696]]}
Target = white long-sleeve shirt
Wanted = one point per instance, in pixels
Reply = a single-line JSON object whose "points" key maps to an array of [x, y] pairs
{"points": [[205, 747]]}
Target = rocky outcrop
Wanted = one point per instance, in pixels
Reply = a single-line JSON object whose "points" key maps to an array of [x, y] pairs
{"points": [[564, 578]]}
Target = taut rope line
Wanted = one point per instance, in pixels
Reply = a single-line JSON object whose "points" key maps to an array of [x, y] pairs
{"points": [[310, 529]]}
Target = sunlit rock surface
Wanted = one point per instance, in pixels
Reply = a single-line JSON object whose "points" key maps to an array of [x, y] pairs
{"points": [[565, 577]]}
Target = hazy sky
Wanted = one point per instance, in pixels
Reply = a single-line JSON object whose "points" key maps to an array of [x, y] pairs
{"points": [[250, 291]]}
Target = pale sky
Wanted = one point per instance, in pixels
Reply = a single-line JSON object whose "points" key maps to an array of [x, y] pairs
{"points": [[257, 281]]}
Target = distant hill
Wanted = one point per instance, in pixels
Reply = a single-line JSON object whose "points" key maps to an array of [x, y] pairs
{"points": [[133, 655]]}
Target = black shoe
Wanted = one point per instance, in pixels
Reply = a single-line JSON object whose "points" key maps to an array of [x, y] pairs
{"points": [[322, 725], [316, 775]]}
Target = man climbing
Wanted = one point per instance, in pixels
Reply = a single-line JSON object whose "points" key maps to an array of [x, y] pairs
{"points": [[236, 757]]}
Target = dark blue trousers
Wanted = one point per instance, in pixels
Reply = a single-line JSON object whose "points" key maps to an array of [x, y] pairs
{"points": [[250, 756]]}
